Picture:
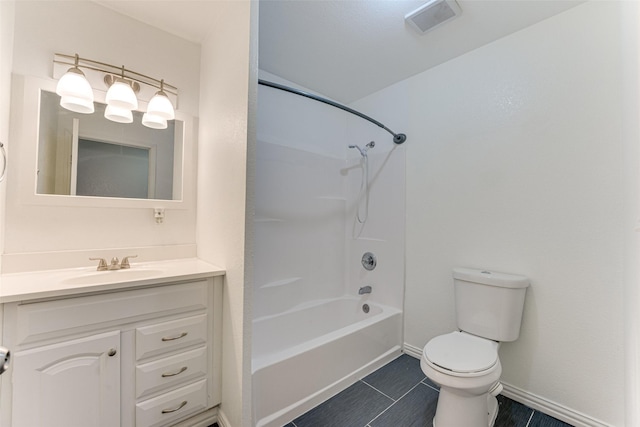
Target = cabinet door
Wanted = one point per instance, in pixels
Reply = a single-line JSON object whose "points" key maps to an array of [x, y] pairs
{"points": [[69, 384]]}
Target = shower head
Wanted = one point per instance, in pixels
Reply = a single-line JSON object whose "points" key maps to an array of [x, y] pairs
{"points": [[363, 151]]}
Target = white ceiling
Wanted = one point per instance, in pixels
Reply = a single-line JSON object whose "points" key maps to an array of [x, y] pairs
{"points": [[348, 49]]}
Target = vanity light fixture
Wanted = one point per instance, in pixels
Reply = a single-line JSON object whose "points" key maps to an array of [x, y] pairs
{"points": [[75, 91], [121, 96]]}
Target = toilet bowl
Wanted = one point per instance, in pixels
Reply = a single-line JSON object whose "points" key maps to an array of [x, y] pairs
{"points": [[467, 369], [465, 363]]}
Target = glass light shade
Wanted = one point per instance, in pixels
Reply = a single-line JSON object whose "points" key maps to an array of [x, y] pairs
{"points": [[79, 105], [154, 122], [116, 114], [161, 106], [121, 95], [76, 90]]}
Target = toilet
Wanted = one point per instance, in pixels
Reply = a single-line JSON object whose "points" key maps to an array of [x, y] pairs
{"points": [[465, 363]]}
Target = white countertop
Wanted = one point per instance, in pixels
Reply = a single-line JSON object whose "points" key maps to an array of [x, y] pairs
{"points": [[72, 281]]}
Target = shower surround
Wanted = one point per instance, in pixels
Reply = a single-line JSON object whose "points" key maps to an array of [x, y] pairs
{"points": [[308, 316]]}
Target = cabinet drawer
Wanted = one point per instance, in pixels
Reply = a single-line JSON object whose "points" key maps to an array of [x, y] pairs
{"points": [[165, 409], [50, 319], [165, 373], [172, 335]]}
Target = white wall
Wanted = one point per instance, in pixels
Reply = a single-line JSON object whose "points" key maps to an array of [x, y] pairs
{"points": [[515, 163], [43, 28], [7, 14], [631, 126], [225, 163]]}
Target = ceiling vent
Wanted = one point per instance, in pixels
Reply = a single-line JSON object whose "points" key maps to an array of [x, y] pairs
{"points": [[432, 14]]}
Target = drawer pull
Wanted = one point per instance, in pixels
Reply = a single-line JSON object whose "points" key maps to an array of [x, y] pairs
{"points": [[182, 335], [173, 374], [168, 411]]}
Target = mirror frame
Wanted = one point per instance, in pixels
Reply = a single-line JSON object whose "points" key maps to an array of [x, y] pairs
{"points": [[26, 123]]}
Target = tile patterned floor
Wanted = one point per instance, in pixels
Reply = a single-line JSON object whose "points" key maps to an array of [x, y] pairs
{"points": [[399, 395]]}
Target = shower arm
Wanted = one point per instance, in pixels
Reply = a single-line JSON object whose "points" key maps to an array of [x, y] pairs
{"points": [[398, 138]]}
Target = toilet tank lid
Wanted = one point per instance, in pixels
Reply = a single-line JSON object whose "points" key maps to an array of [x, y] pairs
{"points": [[492, 278]]}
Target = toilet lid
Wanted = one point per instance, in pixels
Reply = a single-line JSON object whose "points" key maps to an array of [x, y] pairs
{"points": [[462, 352]]}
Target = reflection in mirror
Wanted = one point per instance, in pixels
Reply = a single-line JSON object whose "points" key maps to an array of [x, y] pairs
{"points": [[88, 155]]}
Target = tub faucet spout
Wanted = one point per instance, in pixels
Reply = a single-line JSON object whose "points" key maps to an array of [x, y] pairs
{"points": [[364, 290]]}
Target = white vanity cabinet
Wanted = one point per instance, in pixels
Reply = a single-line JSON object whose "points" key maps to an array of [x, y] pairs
{"points": [[146, 356], [75, 382]]}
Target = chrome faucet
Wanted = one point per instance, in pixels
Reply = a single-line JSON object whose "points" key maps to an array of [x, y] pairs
{"points": [[364, 290]]}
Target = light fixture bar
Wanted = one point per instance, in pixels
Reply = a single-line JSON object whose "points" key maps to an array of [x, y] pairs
{"points": [[120, 71]]}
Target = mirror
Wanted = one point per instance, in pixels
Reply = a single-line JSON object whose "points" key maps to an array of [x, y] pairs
{"points": [[89, 155]]}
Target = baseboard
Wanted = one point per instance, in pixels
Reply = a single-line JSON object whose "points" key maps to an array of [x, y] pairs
{"points": [[412, 351], [223, 421], [533, 401], [553, 409]]}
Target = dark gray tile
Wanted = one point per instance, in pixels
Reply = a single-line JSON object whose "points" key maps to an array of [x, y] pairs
{"points": [[428, 382], [353, 407], [396, 377], [416, 409], [511, 413], [543, 420]]}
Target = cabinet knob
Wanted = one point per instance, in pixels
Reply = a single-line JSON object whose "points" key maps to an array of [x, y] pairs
{"points": [[112, 352]]}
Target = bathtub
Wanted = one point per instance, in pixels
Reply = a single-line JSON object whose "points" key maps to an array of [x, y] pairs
{"points": [[308, 354]]}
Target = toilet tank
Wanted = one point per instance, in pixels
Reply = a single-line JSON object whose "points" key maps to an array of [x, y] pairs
{"points": [[489, 304]]}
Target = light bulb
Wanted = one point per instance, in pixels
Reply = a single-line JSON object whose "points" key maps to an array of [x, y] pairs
{"points": [[75, 92], [154, 122], [121, 95], [79, 105], [116, 114], [161, 106]]}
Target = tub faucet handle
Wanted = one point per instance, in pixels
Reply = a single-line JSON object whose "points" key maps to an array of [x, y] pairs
{"points": [[364, 290], [102, 265], [125, 261]]}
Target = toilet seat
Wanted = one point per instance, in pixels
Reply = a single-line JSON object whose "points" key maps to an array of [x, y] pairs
{"points": [[461, 354]]}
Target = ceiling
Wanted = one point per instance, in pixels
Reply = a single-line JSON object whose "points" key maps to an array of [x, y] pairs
{"points": [[348, 49]]}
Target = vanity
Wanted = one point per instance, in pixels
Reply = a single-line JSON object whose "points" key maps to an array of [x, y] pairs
{"points": [[137, 347]]}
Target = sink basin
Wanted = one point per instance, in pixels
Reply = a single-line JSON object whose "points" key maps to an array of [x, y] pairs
{"points": [[111, 276]]}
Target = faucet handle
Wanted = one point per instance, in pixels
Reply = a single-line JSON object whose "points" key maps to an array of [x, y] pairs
{"points": [[115, 264], [125, 261], [102, 265]]}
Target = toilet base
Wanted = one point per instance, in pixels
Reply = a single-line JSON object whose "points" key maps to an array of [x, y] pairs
{"points": [[454, 410]]}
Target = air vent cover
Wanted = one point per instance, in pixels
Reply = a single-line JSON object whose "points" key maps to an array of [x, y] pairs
{"points": [[432, 14]]}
